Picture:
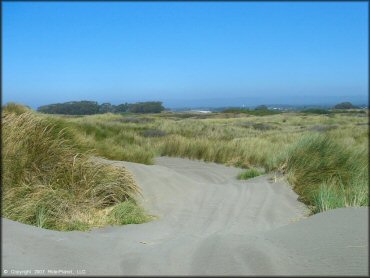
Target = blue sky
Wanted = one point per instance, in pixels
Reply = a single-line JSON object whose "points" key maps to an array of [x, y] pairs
{"points": [[185, 53]]}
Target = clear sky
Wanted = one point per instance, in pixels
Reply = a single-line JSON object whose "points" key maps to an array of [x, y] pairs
{"points": [[185, 53]]}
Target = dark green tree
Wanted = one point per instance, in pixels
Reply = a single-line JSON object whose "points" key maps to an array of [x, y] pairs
{"points": [[261, 107], [71, 108], [146, 107], [92, 107], [344, 105], [106, 108], [121, 108]]}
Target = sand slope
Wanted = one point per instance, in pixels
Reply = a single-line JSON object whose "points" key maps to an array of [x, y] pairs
{"points": [[208, 223]]}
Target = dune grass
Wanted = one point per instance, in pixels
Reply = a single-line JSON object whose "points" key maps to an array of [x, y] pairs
{"points": [[278, 142], [320, 153], [327, 174], [128, 213], [50, 180], [248, 174], [258, 112], [49, 184]]}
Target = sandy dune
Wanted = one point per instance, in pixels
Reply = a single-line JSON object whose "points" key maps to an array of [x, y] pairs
{"points": [[208, 223]]}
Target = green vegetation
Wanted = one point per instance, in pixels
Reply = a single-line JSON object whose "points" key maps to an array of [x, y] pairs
{"points": [[323, 156], [344, 105], [48, 183], [92, 107], [128, 213], [17, 109], [275, 142], [71, 108], [146, 107], [261, 107], [327, 174], [259, 111], [316, 111], [248, 174], [350, 111]]}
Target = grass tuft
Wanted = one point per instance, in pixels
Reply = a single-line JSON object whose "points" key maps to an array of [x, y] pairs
{"points": [[327, 174], [248, 174], [128, 213], [15, 108], [49, 184]]}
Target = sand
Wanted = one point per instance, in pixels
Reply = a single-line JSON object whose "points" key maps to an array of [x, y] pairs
{"points": [[209, 223]]}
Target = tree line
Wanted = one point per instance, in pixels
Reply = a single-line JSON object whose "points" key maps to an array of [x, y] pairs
{"points": [[92, 107]]}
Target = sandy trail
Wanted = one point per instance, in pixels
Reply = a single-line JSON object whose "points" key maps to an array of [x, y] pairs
{"points": [[209, 223]]}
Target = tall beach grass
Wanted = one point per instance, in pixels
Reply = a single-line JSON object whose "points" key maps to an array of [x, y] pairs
{"points": [[328, 174], [48, 183], [323, 155]]}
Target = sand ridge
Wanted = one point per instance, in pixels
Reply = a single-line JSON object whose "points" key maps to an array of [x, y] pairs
{"points": [[209, 223]]}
